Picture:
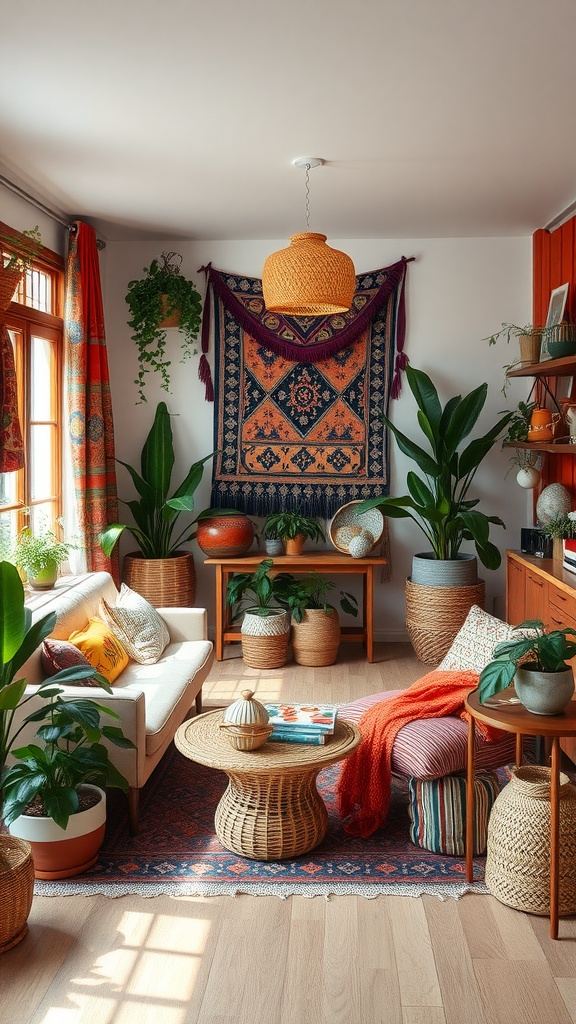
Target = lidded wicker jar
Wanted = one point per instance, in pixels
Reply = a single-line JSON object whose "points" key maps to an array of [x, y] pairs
{"points": [[246, 722], [518, 852]]}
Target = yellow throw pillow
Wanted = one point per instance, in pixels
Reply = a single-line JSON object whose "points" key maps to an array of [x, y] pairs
{"points": [[101, 648]]}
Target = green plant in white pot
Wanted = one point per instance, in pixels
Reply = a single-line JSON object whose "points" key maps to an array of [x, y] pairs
{"points": [[537, 662], [438, 498], [265, 628]]}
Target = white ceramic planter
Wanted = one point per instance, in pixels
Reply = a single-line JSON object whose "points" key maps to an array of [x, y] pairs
{"points": [[60, 853], [544, 693], [439, 572]]}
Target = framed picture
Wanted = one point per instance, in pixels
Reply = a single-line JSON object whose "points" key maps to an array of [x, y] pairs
{"points": [[556, 308]]}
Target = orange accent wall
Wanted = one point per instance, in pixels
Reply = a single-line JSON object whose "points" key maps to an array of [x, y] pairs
{"points": [[554, 263]]}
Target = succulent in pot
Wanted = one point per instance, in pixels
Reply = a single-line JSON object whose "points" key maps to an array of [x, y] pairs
{"points": [[537, 662]]}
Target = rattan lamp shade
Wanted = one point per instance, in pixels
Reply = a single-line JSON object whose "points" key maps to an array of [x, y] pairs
{"points": [[308, 278]]}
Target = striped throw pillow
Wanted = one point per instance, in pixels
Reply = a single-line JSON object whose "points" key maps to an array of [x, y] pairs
{"points": [[437, 811]]}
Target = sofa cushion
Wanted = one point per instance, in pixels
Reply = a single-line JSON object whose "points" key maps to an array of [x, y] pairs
{"points": [[137, 625], [437, 812], [57, 655], [432, 747], [102, 649], [474, 643]]}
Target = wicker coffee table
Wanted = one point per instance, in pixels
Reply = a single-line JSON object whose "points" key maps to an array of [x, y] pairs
{"points": [[271, 808]]}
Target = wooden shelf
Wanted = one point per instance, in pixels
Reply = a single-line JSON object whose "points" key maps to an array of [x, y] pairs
{"points": [[555, 447], [564, 367]]}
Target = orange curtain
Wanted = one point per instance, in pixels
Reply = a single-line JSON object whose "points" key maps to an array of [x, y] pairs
{"points": [[90, 426]]}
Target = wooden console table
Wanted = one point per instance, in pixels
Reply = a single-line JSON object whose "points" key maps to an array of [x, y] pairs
{"points": [[330, 563]]}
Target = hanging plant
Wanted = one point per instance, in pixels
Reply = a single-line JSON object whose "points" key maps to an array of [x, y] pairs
{"points": [[154, 299]]}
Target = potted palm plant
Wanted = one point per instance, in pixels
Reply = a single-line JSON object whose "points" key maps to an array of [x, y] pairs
{"points": [[315, 631], [163, 298], [537, 662], [44, 787], [265, 628], [293, 528], [161, 572]]}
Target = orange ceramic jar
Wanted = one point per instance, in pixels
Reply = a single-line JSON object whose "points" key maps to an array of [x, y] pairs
{"points": [[225, 536], [541, 425]]}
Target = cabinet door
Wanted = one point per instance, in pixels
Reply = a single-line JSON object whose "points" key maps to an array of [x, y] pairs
{"points": [[515, 592], [536, 597]]}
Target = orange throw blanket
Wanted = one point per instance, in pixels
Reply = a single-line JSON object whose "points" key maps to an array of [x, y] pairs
{"points": [[364, 786]]}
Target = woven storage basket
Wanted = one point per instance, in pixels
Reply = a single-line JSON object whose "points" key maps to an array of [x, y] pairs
{"points": [[435, 614], [164, 582], [315, 640], [265, 640], [518, 854], [16, 889]]}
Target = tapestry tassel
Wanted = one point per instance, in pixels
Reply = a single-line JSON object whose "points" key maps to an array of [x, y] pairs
{"points": [[204, 373], [401, 361]]}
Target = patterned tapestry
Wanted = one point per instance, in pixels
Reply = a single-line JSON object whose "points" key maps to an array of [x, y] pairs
{"points": [[299, 399]]}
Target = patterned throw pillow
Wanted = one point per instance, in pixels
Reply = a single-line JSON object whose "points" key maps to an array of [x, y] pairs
{"points": [[59, 654], [102, 649], [473, 646], [137, 625]]}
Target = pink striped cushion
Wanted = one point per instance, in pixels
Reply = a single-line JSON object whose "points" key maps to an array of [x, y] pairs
{"points": [[432, 747]]}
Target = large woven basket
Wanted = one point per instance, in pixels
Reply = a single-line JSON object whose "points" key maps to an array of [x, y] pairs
{"points": [[518, 853], [265, 640], [16, 890], [164, 582], [435, 614], [315, 640]]}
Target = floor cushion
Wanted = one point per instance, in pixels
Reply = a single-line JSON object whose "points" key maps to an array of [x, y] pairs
{"points": [[437, 812]]}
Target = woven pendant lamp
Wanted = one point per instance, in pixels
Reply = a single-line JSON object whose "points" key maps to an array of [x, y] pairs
{"points": [[308, 278]]}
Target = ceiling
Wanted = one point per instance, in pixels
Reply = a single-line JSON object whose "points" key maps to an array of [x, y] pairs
{"points": [[180, 119]]}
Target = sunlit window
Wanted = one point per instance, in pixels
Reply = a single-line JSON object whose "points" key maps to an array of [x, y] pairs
{"points": [[34, 322]]}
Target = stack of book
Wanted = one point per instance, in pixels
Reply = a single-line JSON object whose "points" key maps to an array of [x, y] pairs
{"points": [[301, 723]]}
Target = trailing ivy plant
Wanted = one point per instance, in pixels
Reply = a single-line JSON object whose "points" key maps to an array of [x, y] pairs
{"points": [[163, 292]]}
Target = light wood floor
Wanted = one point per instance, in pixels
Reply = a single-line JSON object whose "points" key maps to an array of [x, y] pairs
{"points": [[262, 960]]}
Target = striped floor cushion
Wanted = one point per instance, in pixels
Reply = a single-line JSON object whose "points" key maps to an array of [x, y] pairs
{"points": [[432, 747], [437, 811]]}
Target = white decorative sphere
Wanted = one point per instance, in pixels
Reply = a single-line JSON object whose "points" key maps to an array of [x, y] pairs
{"points": [[554, 501], [528, 476], [361, 545]]}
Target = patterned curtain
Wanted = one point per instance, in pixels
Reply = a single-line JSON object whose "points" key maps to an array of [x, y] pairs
{"points": [[90, 427], [11, 443]]}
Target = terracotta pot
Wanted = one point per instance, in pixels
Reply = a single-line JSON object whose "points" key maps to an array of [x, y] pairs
{"points": [[61, 853], [225, 536], [294, 545]]}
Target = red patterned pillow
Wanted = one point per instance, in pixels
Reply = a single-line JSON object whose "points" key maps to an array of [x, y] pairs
{"points": [[59, 654]]}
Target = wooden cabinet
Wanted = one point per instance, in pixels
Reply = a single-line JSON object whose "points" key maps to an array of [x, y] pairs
{"points": [[539, 588]]}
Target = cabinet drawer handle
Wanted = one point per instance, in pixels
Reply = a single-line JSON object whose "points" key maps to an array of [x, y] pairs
{"points": [[534, 579]]}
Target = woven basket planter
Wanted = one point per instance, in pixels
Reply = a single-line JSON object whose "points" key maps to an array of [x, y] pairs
{"points": [[16, 890], [518, 854], [164, 582], [315, 640], [265, 639], [434, 616]]}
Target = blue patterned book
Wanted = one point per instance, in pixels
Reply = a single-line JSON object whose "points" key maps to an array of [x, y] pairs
{"points": [[316, 718], [297, 736]]}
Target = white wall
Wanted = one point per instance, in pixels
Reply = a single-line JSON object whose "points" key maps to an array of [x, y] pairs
{"points": [[458, 292], [22, 216]]}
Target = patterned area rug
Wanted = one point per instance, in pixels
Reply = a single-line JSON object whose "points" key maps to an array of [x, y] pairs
{"points": [[177, 852]]}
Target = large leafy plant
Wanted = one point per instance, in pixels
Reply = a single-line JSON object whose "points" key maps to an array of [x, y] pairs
{"points": [[69, 730], [438, 499], [162, 292], [155, 514], [298, 594], [258, 591], [536, 648]]}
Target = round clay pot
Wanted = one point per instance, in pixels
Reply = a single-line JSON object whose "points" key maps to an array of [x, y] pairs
{"points": [[225, 536], [294, 545], [60, 853], [544, 693]]}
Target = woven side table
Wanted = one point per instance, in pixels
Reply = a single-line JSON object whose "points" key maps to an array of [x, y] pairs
{"points": [[271, 808]]}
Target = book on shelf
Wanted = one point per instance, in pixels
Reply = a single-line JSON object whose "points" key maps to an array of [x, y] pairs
{"points": [[297, 735], [316, 718]]}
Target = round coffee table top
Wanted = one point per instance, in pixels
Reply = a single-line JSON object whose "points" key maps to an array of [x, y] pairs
{"points": [[202, 740]]}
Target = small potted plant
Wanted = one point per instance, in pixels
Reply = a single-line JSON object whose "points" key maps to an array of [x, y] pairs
{"points": [[293, 528], [43, 790], [561, 528], [537, 662], [315, 623], [39, 555], [265, 628], [164, 297]]}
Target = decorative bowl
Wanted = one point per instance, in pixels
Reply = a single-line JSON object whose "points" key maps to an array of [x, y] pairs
{"points": [[346, 524]]}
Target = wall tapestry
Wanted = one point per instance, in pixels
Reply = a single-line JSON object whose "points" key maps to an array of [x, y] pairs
{"points": [[298, 399]]}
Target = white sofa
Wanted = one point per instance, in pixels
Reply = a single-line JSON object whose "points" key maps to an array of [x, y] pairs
{"points": [[152, 700]]}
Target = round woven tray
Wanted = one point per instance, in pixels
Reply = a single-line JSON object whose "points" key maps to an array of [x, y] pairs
{"points": [[518, 853], [164, 582], [373, 521], [16, 889], [435, 614]]}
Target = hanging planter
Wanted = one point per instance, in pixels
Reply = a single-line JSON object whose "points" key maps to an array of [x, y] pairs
{"points": [[164, 298]]}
